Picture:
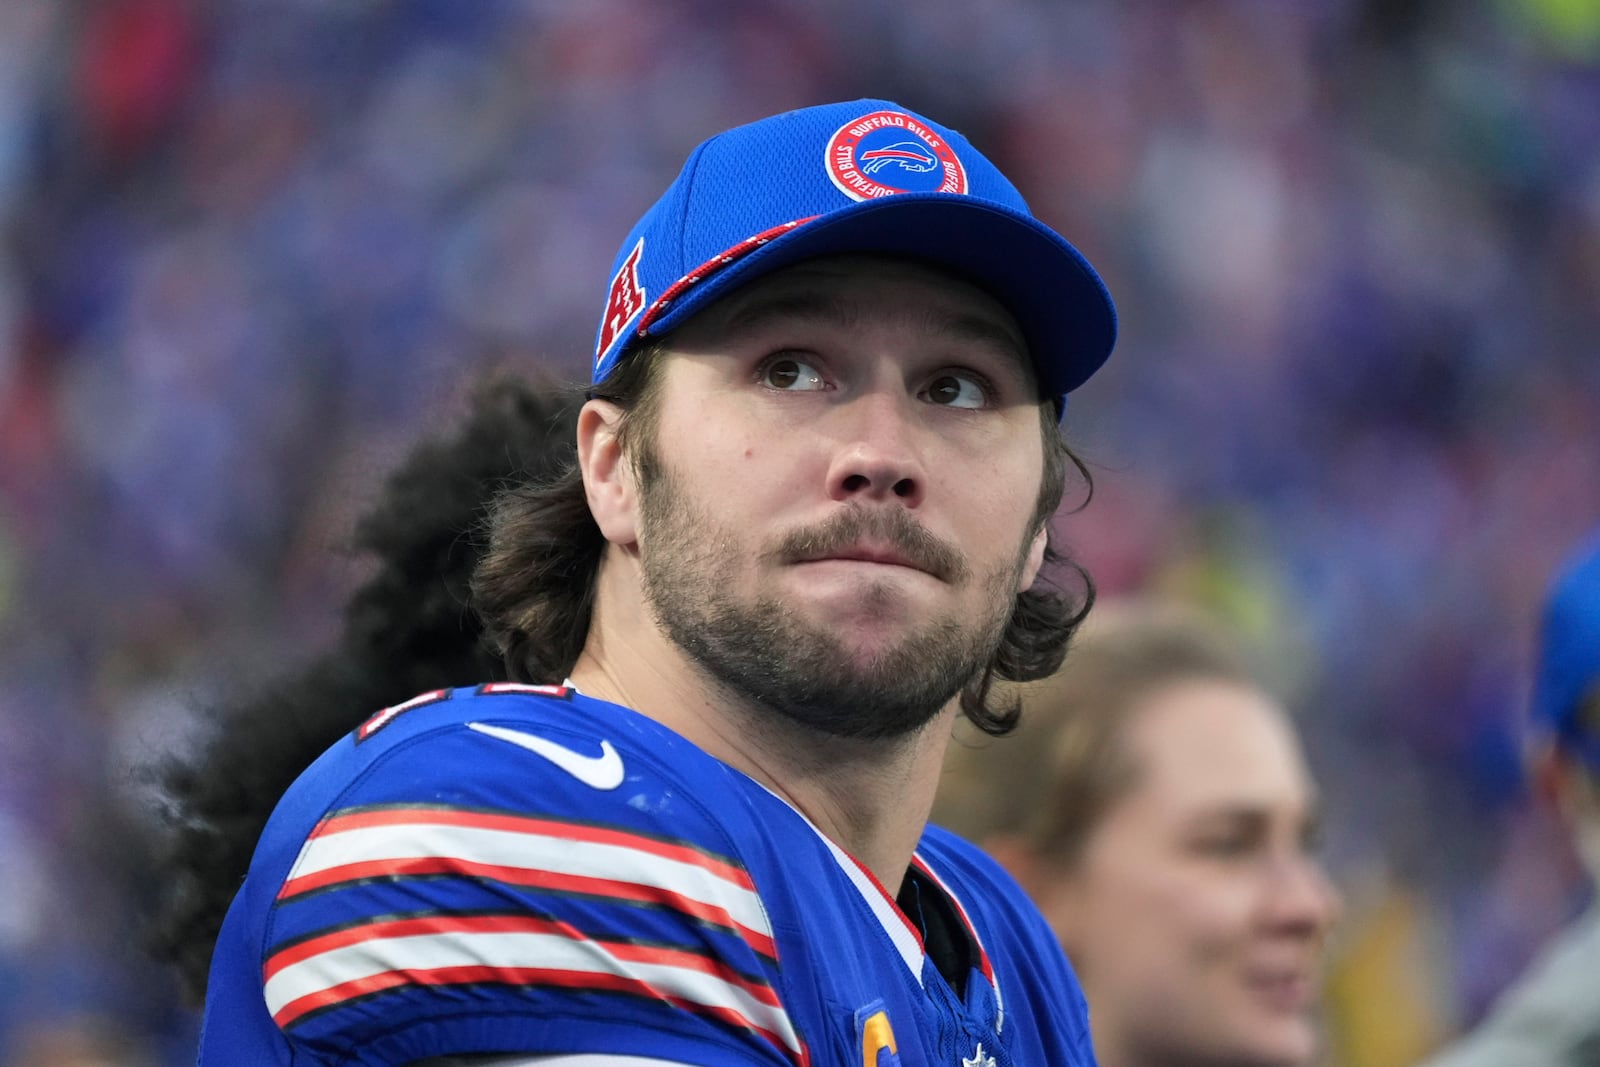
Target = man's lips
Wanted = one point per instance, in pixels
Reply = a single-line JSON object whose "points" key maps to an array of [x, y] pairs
{"points": [[884, 537], [880, 554]]}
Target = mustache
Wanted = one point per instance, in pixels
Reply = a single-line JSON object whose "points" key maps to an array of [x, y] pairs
{"points": [[893, 527]]}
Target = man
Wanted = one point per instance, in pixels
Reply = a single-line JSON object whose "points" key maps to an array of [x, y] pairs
{"points": [[811, 497], [1551, 1017]]}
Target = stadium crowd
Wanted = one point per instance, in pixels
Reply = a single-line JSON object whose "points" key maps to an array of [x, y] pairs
{"points": [[253, 252]]}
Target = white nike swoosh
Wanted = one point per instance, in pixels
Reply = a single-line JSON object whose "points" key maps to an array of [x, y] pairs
{"points": [[599, 772]]}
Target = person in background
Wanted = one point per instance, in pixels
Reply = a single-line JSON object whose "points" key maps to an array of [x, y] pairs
{"points": [[1551, 1016], [1157, 806], [77, 1041]]}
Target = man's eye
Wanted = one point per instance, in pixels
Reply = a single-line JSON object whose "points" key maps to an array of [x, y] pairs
{"points": [[791, 374], [957, 391]]}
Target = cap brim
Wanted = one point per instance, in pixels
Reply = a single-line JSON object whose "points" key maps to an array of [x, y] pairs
{"points": [[1062, 306]]}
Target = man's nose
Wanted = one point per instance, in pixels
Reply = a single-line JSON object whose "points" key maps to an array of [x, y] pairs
{"points": [[878, 457]]}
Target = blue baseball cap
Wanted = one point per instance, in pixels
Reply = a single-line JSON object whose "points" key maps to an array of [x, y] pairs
{"points": [[1569, 653], [865, 177]]}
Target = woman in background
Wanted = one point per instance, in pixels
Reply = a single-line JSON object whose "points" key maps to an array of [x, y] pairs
{"points": [[1156, 804]]}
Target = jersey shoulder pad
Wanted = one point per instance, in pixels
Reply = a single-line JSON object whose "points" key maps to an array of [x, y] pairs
{"points": [[505, 870]]}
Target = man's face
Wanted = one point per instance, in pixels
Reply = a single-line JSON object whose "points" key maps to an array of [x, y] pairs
{"points": [[838, 491], [1196, 915]]}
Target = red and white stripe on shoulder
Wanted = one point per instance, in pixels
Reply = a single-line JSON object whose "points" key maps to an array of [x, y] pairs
{"points": [[383, 718], [527, 688], [323, 972], [394, 842], [547, 854]]}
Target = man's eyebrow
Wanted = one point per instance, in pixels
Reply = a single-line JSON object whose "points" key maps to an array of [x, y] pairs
{"points": [[757, 311], [833, 310], [980, 329]]}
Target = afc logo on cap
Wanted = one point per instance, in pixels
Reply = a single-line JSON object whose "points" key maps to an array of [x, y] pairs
{"points": [[890, 152], [623, 303]]}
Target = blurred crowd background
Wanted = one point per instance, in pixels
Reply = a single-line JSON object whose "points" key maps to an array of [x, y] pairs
{"points": [[252, 251]]}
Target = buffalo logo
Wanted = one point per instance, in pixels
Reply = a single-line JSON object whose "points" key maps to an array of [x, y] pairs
{"points": [[911, 155], [889, 152]]}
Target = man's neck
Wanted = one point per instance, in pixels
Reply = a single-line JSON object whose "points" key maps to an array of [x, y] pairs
{"points": [[871, 798]]}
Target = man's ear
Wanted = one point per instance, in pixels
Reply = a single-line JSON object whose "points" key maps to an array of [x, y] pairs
{"points": [[608, 480], [1035, 560]]}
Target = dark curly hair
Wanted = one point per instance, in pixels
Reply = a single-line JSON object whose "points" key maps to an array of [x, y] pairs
{"points": [[409, 628]]}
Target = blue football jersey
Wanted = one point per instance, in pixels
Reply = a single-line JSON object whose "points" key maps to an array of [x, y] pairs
{"points": [[523, 869]]}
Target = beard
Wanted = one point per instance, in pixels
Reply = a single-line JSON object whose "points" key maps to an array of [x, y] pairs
{"points": [[765, 653]]}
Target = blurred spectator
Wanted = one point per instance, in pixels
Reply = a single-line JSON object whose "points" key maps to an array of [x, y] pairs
{"points": [[1156, 805], [80, 1042], [1551, 1016]]}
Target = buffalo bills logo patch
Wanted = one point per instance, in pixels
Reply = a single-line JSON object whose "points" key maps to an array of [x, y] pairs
{"points": [[890, 152]]}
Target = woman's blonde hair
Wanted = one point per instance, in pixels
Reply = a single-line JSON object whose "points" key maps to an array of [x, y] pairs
{"points": [[1052, 782]]}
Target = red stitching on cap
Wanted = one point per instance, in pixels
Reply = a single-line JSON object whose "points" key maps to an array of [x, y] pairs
{"points": [[711, 266]]}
